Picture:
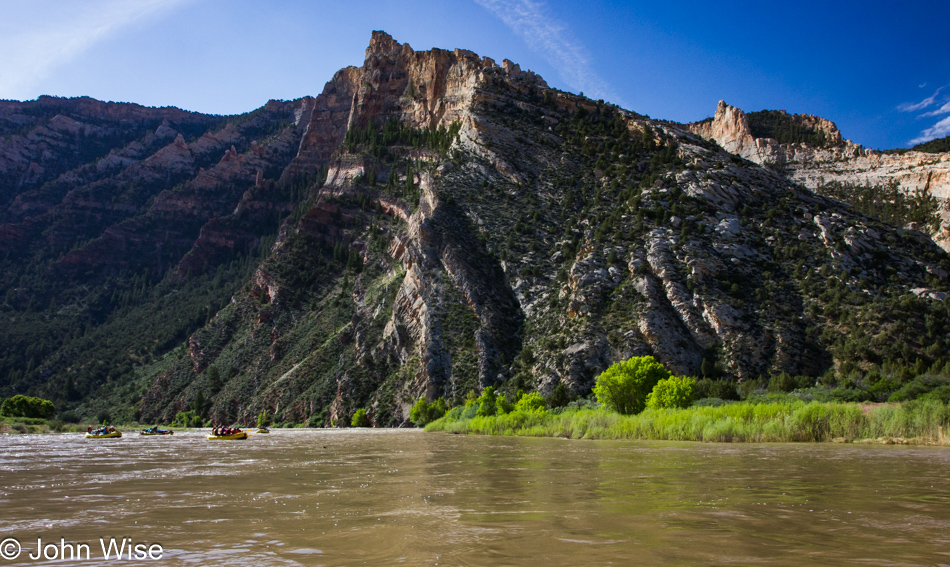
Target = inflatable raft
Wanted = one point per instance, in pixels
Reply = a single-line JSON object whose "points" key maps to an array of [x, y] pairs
{"points": [[109, 435], [157, 432], [228, 437]]}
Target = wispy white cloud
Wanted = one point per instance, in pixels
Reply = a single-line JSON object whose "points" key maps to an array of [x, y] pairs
{"points": [[945, 109], [39, 37], [938, 130], [553, 41], [915, 106]]}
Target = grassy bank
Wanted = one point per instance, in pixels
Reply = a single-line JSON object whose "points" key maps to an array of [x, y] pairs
{"points": [[38, 425], [920, 421], [15, 425]]}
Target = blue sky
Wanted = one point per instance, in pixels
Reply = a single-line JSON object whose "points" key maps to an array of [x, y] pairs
{"points": [[880, 70]]}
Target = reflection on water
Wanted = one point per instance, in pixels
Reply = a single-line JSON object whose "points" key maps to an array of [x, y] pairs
{"points": [[345, 497]]}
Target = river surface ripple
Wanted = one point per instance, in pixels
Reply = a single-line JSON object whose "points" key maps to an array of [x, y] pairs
{"points": [[382, 497]]}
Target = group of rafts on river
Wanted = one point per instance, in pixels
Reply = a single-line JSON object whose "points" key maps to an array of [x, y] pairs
{"points": [[217, 433]]}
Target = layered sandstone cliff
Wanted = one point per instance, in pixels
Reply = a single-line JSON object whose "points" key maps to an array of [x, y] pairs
{"points": [[841, 160]]}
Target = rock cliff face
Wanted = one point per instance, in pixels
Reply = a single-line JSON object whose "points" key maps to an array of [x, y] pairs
{"points": [[48, 137], [139, 203], [433, 223], [841, 160]]}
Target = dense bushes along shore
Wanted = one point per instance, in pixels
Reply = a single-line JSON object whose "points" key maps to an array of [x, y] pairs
{"points": [[638, 399], [923, 421], [27, 406]]}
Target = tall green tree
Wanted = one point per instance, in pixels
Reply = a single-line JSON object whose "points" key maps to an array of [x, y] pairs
{"points": [[625, 385], [424, 412]]}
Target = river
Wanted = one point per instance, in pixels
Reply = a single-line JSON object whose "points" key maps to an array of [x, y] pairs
{"points": [[381, 497]]}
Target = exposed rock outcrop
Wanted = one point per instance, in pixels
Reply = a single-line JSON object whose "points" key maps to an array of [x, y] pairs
{"points": [[840, 160]]}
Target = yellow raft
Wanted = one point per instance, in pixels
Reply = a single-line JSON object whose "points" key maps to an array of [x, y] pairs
{"points": [[263, 430], [104, 435], [239, 435]]}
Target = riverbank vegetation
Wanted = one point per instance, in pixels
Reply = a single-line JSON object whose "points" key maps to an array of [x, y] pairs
{"points": [[924, 421], [38, 425], [757, 411], [27, 406]]}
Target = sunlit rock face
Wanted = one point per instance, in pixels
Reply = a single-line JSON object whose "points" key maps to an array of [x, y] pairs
{"points": [[839, 160]]}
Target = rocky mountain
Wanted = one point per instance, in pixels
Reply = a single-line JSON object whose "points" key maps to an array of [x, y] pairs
{"points": [[431, 223], [826, 157]]}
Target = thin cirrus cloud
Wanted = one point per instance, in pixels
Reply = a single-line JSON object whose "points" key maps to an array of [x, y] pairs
{"points": [[915, 106], [945, 109], [938, 130], [552, 40], [41, 37]]}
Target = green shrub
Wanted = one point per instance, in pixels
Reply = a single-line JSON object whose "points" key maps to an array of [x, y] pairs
{"points": [[748, 388], [709, 402], [583, 403], [941, 394], [883, 388], [318, 419], [532, 402], [624, 386], [502, 404], [419, 412], [263, 419], [560, 396], [424, 412], [674, 392], [786, 383], [845, 394], [184, 419], [919, 386], [27, 406], [486, 403], [709, 388], [360, 419], [471, 398]]}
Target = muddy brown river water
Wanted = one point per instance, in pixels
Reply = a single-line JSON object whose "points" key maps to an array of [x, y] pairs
{"points": [[382, 497]]}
